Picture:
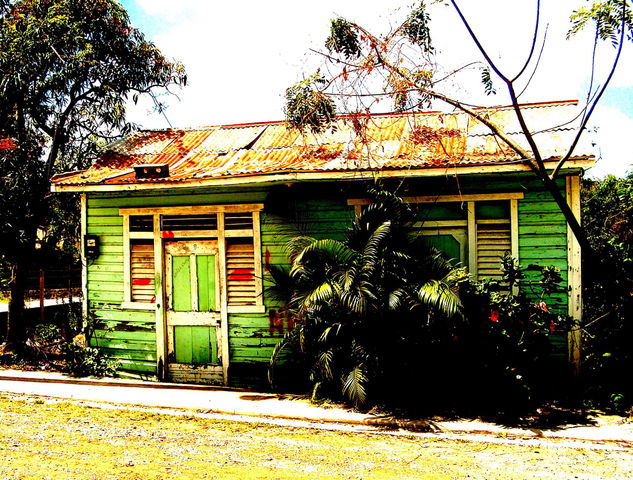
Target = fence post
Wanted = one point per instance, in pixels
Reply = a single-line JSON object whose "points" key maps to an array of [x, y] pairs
{"points": [[41, 295]]}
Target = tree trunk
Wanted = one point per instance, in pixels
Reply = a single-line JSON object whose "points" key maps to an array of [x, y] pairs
{"points": [[16, 321]]}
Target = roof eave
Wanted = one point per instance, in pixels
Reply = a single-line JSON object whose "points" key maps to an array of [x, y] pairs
{"points": [[291, 177]]}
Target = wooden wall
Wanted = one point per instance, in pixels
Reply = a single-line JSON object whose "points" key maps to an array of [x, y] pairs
{"points": [[129, 335]]}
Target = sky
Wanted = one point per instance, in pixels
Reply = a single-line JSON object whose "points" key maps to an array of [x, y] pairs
{"points": [[240, 56]]}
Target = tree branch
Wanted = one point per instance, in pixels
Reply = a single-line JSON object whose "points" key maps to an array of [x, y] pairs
{"points": [[583, 125], [534, 37]]}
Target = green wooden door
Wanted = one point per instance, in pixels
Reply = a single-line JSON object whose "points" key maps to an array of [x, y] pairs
{"points": [[193, 316]]}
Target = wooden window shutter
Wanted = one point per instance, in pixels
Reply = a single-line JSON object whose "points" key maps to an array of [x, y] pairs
{"points": [[240, 271], [142, 271], [493, 241]]}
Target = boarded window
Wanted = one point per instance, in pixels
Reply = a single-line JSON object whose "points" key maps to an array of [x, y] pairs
{"points": [[189, 222], [141, 223], [142, 271], [240, 272], [238, 221], [493, 241]]}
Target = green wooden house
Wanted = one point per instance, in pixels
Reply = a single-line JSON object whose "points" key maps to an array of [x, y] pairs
{"points": [[180, 226]]}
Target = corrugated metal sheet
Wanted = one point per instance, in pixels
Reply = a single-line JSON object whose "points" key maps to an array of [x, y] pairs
{"points": [[389, 141]]}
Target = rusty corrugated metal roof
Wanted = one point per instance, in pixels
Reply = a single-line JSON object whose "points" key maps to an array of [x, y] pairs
{"points": [[386, 142]]}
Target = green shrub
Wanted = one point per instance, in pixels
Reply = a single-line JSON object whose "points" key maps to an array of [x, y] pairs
{"points": [[360, 306], [382, 318], [47, 333], [82, 361], [504, 350], [607, 214]]}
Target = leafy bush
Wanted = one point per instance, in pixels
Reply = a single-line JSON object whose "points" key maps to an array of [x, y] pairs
{"points": [[47, 333], [84, 361], [361, 305], [505, 349], [381, 318], [607, 209]]}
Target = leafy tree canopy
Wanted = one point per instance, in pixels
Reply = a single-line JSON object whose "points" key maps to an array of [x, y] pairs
{"points": [[67, 69]]}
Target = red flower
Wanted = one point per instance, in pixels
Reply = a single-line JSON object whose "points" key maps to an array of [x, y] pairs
{"points": [[7, 144], [552, 327], [494, 316]]}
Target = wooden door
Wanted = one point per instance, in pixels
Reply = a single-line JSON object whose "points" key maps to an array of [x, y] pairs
{"points": [[194, 334]]}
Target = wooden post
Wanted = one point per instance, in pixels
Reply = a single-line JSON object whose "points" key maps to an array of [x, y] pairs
{"points": [[41, 295], [161, 323], [84, 263], [472, 240], [224, 314], [574, 279], [514, 234]]}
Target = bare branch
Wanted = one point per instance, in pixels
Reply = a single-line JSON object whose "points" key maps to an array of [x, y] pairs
{"points": [[583, 124], [538, 61], [478, 44], [534, 37]]}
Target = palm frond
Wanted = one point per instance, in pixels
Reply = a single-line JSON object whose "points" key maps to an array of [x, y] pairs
{"points": [[355, 301], [397, 299], [322, 250], [354, 386], [325, 293], [325, 362], [296, 244], [334, 330], [439, 295]]}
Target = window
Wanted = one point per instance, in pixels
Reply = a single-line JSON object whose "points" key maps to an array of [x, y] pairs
{"points": [[475, 230], [142, 277], [147, 232]]}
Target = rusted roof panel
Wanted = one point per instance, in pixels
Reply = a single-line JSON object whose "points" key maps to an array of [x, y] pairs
{"points": [[389, 141]]}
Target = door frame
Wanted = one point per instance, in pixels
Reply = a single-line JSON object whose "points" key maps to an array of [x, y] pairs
{"points": [[211, 373]]}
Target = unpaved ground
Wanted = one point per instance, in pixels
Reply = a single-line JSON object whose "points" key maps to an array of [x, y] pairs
{"points": [[61, 440]]}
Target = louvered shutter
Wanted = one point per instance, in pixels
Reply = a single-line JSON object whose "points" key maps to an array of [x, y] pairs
{"points": [[142, 271], [240, 271], [493, 241]]}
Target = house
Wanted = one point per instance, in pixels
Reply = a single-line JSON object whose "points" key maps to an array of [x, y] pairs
{"points": [[179, 225]]}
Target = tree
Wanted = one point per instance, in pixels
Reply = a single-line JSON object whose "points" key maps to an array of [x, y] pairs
{"points": [[363, 68], [68, 68], [363, 307]]}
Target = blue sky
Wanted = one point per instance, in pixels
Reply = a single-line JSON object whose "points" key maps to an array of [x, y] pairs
{"points": [[241, 56]]}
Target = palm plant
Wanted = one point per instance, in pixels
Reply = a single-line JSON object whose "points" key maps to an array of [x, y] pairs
{"points": [[362, 307]]}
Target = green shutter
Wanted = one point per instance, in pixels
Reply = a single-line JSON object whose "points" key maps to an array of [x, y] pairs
{"points": [[205, 264], [181, 283]]}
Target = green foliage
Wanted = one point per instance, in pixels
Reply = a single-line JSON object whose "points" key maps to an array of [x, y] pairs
{"points": [[343, 39], [361, 306], [68, 68], [416, 28], [381, 318], [606, 17], [507, 339], [307, 107], [47, 333], [607, 213], [486, 81], [82, 361]]}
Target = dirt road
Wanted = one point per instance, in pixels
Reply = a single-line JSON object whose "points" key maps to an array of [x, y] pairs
{"points": [[48, 439]]}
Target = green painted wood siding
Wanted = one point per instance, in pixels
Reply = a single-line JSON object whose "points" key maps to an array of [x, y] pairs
{"points": [[129, 335]]}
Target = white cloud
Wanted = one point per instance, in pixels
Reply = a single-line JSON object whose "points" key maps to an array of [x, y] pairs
{"points": [[614, 128]]}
